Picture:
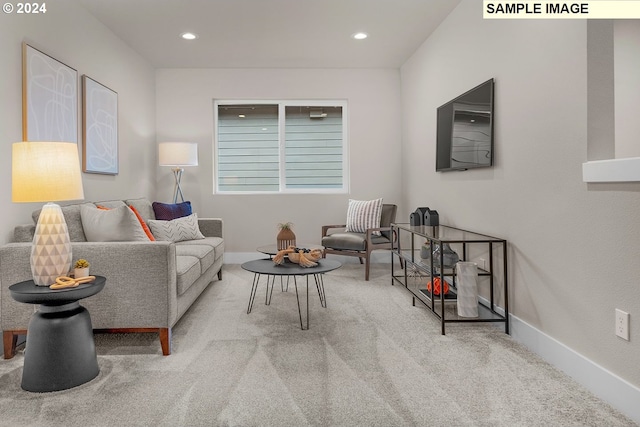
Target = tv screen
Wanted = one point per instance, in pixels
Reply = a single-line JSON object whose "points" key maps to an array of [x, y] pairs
{"points": [[464, 136]]}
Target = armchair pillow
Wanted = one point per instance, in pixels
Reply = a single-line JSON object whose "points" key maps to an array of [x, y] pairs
{"points": [[362, 215]]}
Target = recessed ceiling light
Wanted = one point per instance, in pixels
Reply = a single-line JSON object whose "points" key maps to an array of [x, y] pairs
{"points": [[189, 36], [360, 36]]}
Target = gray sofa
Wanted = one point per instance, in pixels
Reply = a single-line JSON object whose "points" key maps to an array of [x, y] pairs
{"points": [[150, 284]]}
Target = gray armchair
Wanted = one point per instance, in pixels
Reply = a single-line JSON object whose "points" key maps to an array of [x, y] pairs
{"points": [[361, 244]]}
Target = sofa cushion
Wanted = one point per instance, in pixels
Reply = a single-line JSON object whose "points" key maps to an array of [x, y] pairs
{"points": [[188, 271], [72, 218], [110, 204], [217, 243], [144, 225], [24, 233], [204, 253], [144, 208], [114, 225], [167, 212], [176, 230], [350, 241]]}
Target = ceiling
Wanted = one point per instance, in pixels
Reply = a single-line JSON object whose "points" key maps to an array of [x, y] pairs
{"points": [[272, 33]]}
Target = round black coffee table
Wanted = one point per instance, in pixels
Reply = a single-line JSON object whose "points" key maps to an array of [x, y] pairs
{"points": [[272, 250], [268, 268], [60, 352]]}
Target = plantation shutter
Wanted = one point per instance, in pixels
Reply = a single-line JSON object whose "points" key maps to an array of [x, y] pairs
{"points": [[313, 147], [248, 148]]}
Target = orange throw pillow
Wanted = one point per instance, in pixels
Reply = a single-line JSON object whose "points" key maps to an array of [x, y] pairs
{"points": [[144, 225]]}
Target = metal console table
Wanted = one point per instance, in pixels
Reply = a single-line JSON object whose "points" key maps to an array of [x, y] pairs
{"points": [[416, 273]]}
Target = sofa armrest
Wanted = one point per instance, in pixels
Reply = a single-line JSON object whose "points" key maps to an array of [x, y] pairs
{"points": [[140, 290], [211, 227]]}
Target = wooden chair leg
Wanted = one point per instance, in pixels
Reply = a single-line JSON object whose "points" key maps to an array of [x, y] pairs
{"points": [[366, 268]]}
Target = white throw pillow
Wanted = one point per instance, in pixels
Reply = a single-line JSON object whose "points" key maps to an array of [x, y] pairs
{"points": [[362, 215], [114, 225], [176, 230]]}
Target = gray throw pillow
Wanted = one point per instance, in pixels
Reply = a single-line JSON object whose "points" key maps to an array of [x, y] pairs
{"points": [[176, 230], [114, 225]]}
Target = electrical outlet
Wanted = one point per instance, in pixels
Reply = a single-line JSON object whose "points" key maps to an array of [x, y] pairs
{"points": [[482, 263], [622, 324]]}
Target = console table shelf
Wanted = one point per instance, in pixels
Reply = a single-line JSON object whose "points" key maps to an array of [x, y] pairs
{"points": [[416, 272]]}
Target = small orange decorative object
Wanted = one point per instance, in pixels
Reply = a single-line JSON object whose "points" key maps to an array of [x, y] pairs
{"points": [[437, 286]]}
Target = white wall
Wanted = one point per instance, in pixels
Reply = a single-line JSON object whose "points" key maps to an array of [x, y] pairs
{"points": [[69, 34], [572, 247], [185, 113]]}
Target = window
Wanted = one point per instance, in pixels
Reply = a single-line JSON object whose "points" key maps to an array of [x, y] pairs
{"points": [[280, 147]]}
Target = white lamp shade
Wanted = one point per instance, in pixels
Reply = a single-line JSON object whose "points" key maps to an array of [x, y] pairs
{"points": [[178, 154], [40, 172], [45, 172]]}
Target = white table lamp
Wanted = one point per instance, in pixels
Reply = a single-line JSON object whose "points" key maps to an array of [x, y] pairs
{"points": [[178, 155], [47, 172]]}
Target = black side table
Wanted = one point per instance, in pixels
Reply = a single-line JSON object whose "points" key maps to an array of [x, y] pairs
{"points": [[60, 351]]}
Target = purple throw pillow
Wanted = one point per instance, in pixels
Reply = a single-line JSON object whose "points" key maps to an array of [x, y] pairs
{"points": [[167, 212]]}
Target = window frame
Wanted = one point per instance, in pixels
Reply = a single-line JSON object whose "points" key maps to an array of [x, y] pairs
{"points": [[282, 104]]}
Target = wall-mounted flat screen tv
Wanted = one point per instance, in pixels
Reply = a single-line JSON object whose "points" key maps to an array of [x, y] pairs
{"points": [[464, 136]]}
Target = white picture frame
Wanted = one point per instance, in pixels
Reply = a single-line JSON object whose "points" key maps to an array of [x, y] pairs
{"points": [[49, 98], [100, 128]]}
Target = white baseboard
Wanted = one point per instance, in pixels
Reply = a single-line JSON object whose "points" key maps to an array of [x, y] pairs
{"points": [[616, 391]]}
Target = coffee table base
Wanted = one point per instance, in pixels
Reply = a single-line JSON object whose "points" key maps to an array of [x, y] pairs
{"points": [[318, 278], [267, 268]]}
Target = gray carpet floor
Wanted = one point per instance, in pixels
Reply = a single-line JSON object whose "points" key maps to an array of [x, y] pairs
{"points": [[369, 359]]}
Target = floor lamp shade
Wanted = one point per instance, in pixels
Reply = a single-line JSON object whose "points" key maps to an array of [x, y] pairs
{"points": [[178, 154], [47, 172]]}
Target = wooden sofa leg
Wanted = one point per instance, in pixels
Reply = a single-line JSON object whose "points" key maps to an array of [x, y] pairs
{"points": [[220, 274], [9, 340], [165, 341]]}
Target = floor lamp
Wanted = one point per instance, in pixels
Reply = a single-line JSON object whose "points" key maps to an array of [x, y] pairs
{"points": [[47, 172], [178, 155]]}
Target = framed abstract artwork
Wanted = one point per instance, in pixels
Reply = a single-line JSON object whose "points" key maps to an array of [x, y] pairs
{"points": [[49, 98], [100, 128]]}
